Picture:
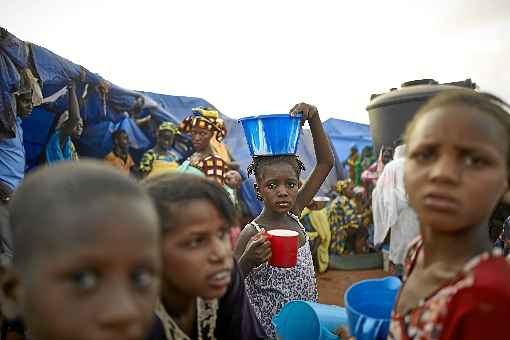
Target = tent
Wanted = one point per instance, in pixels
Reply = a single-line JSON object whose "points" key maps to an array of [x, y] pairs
{"points": [[344, 135], [103, 113]]}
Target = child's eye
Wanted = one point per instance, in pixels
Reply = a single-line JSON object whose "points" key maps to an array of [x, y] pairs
{"points": [[473, 160], [223, 233], [143, 278], [84, 280], [423, 155], [271, 186], [291, 185], [196, 242]]}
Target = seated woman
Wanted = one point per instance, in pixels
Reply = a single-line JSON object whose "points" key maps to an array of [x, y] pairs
{"points": [[203, 125], [349, 219], [161, 158], [315, 220], [60, 146]]}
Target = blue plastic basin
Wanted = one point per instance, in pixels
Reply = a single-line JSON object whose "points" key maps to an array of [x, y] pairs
{"points": [[304, 320], [369, 304], [272, 135]]}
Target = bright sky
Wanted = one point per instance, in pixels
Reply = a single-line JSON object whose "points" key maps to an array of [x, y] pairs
{"points": [[252, 57]]}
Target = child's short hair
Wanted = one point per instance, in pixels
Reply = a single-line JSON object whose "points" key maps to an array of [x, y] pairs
{"points": [[485, 102], [59, 195], [259, 162], [169, 189]]}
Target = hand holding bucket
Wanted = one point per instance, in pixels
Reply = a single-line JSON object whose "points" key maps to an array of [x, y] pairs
{"points": [[284, 247]]}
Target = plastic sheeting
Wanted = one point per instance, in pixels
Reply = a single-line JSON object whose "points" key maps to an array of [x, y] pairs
{"points": [[101, 118], [344, 134]]}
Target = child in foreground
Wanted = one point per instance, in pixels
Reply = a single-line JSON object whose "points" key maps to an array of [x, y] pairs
{"points": [[277, 186], [203, 295], [456, 286], [86, 255]]}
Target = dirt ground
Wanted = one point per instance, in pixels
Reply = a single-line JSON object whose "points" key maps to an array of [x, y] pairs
{"points": [[333, 283]]}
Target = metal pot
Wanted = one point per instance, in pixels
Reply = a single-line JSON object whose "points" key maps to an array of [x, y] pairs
{"points": [[390, 112]]}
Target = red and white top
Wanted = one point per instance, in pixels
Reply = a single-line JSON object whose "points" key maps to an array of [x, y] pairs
{"points": [[474, 305]]}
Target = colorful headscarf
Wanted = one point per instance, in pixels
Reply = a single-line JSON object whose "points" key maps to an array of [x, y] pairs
{"points": [[167, 126], [342, 185], [206, 119]]}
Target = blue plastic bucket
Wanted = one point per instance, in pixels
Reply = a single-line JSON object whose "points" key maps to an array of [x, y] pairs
{"points": [[309, 321], [272, 135], [369, 304]]}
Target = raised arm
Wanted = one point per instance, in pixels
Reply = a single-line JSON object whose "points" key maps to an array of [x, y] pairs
{"points": [[74, 112], [323, 153]]}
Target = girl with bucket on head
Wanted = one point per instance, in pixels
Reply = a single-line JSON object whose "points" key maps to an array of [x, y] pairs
{"points": [[161, 158], [457, 168], [277, 186]]}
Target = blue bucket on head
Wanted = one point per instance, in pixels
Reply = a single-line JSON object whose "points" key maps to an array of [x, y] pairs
{"points": [[309, 320], [369, 304], [272, 135]]}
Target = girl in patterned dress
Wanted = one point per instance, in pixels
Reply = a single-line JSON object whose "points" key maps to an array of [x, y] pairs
{"points": [[277, 185], [456, 286]]}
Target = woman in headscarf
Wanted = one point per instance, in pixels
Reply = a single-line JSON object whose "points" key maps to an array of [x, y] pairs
{"points": [[204, 125], [161, 158]]}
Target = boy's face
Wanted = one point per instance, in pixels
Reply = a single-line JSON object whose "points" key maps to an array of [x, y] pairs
{"points": [[197, 253], [122, 140], [456, 167], [24, 104], [100, 282], [78, 130]]}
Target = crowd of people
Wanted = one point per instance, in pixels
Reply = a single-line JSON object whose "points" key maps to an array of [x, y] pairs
{"points": [[119, 249]]}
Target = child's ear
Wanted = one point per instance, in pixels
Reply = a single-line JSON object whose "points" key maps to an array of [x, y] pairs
{"points": [[10, 292]]}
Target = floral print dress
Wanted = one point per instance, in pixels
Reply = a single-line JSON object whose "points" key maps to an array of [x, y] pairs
{"points": [[270, 288], [474, 305]]}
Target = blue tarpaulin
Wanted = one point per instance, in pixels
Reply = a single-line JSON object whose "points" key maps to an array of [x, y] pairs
{"points": [[344, 135], [104, 114]]}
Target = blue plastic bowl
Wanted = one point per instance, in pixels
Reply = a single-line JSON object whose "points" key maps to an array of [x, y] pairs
{"points": [[309, 321], [369, 304], [272, 135]]}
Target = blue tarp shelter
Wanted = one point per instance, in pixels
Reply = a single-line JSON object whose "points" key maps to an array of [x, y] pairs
{"points": [[103, 114], [344, 135]]}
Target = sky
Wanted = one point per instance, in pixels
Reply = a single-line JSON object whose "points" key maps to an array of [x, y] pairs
{"points": [[255, 57]]}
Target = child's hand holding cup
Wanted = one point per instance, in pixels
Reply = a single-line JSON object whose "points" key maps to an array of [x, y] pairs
{"points": [[258, 249]]}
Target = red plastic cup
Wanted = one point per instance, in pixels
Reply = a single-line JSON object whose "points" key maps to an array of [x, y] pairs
{"points": [[284, 247]]}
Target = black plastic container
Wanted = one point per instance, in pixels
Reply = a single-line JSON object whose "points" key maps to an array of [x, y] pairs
{"points": [[390, 112]]}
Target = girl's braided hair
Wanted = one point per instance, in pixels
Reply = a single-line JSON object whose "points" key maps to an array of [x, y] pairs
{"points": [[259, 162]]}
